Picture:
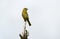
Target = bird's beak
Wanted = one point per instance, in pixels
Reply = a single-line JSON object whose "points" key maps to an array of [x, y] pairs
{"points": [[27, 9]]}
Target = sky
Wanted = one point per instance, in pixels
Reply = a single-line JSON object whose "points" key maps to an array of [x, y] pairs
{"points": [[44, 16]]}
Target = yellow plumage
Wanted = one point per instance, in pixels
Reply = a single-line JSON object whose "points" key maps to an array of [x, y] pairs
{"points": [[25, 16]]}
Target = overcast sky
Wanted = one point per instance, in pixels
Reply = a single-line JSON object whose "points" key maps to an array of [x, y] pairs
{"points": [[44, 16]]}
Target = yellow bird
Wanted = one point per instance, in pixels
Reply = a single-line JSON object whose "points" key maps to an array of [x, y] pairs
{"points": [[25, 16]]}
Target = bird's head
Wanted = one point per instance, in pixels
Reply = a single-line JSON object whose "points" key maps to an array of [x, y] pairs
{"points": [[25, 8]]}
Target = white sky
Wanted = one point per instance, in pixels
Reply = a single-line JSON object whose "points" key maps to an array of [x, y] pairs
{"points": [[44, 16]]}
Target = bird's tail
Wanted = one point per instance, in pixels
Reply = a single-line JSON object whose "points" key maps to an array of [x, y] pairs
{"points": [[29, 22]]}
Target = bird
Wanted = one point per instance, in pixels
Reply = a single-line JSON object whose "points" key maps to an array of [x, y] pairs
{"points": [[25, 16]]}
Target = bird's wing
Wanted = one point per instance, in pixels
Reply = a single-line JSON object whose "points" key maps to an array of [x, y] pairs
{"points": [[26, 14]]}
